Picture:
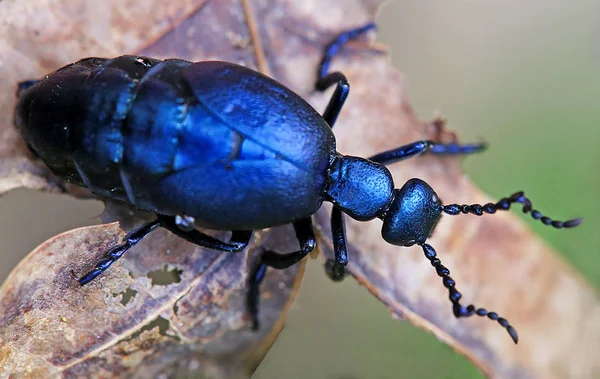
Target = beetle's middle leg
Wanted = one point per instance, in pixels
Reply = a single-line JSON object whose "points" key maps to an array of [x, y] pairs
{"points": [[336, 268], [306, 237]]}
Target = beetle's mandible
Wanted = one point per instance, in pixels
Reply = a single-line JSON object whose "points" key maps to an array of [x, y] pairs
{"points": [[224, 147]]}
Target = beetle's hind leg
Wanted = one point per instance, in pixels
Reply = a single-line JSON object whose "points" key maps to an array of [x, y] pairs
{"points": [[326, 79], [239, 238], [306, 237], [131, 239], [238, 242]]}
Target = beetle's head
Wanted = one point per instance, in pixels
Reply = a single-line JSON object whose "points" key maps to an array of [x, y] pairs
{"points": [[365, 190], [412, 215]]}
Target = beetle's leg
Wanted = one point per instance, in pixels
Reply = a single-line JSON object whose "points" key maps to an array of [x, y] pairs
{"points": [[333, 48], [325, 79], [131, 239], [306, 238], [338, 99], [335, 268], [256, 278], [238, 241], [421, 147], [457, 149]]}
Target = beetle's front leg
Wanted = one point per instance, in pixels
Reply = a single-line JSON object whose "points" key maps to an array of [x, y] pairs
{"points": [[421, 147], [306, 237]]}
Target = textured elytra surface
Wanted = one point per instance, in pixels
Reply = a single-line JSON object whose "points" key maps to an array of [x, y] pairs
{"points": [[169, 308]]}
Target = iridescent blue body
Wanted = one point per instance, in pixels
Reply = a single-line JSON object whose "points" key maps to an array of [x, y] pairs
{"points": [[224, 147], [209, 140]]}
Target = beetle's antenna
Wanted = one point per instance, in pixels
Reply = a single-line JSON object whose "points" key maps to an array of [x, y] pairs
{"points": [[504, 205], [457, 308]]}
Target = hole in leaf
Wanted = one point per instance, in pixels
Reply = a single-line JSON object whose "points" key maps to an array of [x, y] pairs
{"points": [[128, 295], [165, 277], [160, 322]]}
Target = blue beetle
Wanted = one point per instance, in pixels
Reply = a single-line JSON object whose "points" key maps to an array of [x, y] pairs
{"points": [[224, 147]]}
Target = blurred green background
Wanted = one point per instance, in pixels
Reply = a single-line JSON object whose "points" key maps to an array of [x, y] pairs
{"points": [[521, 75]]}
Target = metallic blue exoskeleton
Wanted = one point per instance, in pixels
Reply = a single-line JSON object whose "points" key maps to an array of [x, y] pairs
{"points": [[224, 147], [136, 129]]}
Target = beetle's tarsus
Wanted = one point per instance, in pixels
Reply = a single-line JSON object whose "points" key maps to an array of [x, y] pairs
{"points": [[334, 271], [334, 47], [426, 146], [131, 239], [457, 149], [326, 79]]}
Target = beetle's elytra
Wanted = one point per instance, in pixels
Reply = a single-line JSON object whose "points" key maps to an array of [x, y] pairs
{"points": [[224, 147]]}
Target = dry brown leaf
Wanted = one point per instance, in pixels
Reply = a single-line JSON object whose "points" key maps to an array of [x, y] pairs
{"points": [[490, 258], [178, 309]]}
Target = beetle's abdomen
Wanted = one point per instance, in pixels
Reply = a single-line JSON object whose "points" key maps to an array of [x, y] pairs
{"points": [[149, 132], [77, 119], [111, 124]]}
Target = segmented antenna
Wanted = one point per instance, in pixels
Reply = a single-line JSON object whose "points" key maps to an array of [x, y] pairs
{"points": [[504, 205], [457, 308]]}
